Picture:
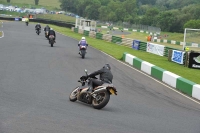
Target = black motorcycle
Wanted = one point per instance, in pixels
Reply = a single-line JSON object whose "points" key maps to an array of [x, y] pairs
{"points": [[26, 23], [38, 31], [51, 40], [99, 97]]}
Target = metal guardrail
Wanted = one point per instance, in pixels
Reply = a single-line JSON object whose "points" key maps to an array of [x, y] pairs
{"points": [[46, 21]]}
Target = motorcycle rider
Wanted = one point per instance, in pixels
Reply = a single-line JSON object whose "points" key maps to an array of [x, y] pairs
{"points": [[82, 42], [52, 32], [105, 76], [47, 28], [38, 26], [27, 20]]}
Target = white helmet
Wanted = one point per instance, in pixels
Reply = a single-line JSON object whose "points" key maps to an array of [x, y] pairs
{"points": [[83, 38], [51, 28]]}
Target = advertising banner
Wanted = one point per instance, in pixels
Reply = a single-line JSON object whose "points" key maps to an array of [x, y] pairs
{"points": [[136, 44], [16, 19], [194, 60], [155, 49], [177, 56]]}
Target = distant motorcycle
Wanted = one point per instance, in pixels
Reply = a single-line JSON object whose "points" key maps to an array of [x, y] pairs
{"points": [[26, 23], [51, 40], [83, 49], [99, 97], [38, 31]]}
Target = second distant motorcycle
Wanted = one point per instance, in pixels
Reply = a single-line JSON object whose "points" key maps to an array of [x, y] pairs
{"points": [[51, 40]]}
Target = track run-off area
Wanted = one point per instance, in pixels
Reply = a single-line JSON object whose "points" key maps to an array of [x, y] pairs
{"points": [[36, 80]]}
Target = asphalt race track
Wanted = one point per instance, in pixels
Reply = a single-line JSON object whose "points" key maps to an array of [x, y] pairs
{"points": [[36, 80]]}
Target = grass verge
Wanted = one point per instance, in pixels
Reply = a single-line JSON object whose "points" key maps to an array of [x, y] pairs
{"points": [[49, 4], [117, 51], [57, 17]]}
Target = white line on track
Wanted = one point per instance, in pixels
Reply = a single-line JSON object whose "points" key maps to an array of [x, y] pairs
{"points": [[145, 74], [2, 34], [2, 31]]}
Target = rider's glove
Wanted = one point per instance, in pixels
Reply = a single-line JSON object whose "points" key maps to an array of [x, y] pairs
{"points": [[84, 78]]}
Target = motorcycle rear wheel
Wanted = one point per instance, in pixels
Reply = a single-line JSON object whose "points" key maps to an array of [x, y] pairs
{"points": [[73, 95], [102, 102], [83, 54], [51, 42]]}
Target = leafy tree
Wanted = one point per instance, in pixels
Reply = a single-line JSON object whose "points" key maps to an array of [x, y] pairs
{"points": [[150, 17], [149, 2], [130, 10], [166, 21], [104, 2], [8, 1], [67, 5], [103, 13], [143, 9], [195, 24], [112, 17], [92, 10]]}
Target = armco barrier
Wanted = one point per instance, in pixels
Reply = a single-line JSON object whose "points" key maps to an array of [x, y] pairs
{"points": [[183, 85], [8, 18], [46, 21]]}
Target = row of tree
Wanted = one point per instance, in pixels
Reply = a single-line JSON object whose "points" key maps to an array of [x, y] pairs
{"points": [[169, 15], [174, 20]]}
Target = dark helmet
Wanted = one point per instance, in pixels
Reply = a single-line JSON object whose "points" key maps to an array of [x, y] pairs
{"points": [[107, 66]]}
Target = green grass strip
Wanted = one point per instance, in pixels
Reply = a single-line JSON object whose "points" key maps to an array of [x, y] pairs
{"points": [[117, 52]]}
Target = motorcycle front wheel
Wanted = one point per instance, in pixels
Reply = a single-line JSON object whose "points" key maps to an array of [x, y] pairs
{"points": [[101, 100], [73, 95]]}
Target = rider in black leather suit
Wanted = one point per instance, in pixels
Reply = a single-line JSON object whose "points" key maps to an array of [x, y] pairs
{"points": [[105, 76]]}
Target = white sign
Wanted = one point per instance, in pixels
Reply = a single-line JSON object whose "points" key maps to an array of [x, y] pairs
{"points": [[177, 56], [23, 19], [155, 49], [104, 26], [194, 45]]}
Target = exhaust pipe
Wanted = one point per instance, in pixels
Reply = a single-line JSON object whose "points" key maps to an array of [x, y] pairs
{"points": [[99, 90]]}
